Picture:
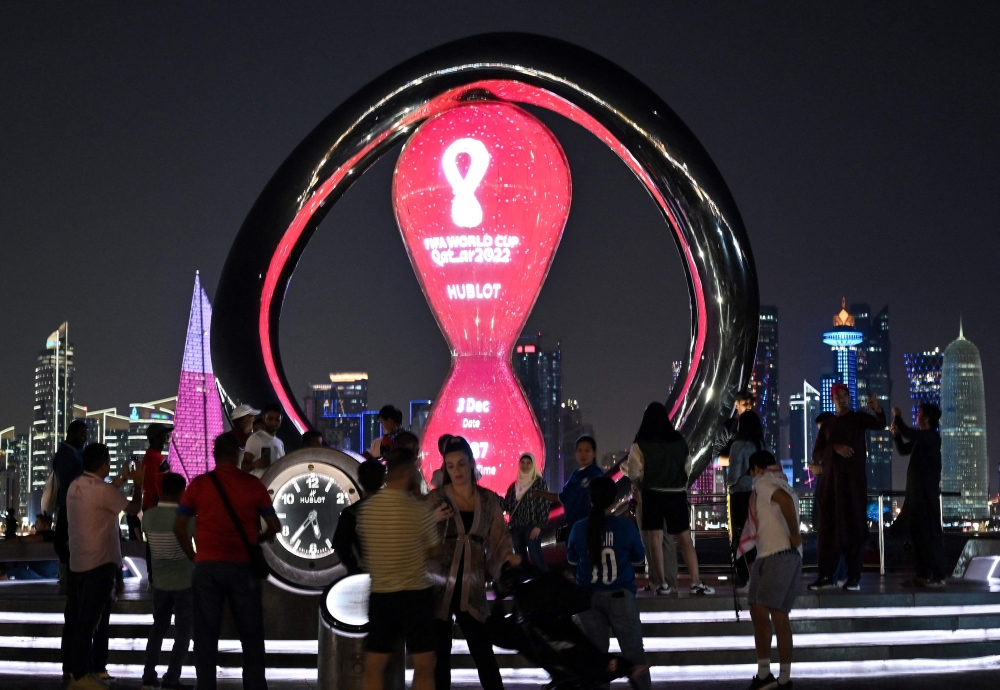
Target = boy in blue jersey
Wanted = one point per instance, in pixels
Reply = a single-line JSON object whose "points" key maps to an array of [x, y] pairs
{"points": [[574, 497], [605, 548]]}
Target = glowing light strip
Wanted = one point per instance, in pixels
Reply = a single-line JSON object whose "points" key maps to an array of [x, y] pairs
{"points": [[514, 91], [138, 644], [470, 677], [821, 614]]}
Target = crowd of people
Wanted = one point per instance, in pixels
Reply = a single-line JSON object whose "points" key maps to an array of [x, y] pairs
{"points": [[433, 548]]}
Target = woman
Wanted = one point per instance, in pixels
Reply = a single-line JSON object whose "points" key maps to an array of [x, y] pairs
{"points": [[528, 512], [476, 544], [604, 548], [748, 440], [922, 505], [659, 464]]}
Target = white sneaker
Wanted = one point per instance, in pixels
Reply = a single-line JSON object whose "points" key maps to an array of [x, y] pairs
{"points": [[701, 589], [663, 590]]}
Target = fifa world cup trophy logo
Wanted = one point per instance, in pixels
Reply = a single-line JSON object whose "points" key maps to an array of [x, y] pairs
{"points": [[482, 193]]}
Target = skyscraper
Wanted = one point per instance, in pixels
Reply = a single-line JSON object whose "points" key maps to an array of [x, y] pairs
{"points": [[141, 416], [573, 427], [420, 410], [540, 372], [764, 378], [843, 340], [965, 467], [54, 375], [110, 428], [803, 408], [923, 369], [873, 378]]}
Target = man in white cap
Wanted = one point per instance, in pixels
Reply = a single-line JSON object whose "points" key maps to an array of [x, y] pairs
{"points": [[242, 418]]}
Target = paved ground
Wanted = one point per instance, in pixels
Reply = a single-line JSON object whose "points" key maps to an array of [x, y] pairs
{"points": [[966, 681]]}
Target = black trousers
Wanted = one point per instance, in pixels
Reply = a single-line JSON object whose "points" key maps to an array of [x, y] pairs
{"points": [[739, 509], [61, 539], [480, 648], [89, 596], [928, 540]]}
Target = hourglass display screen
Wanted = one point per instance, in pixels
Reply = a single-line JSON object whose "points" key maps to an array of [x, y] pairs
{"points": [[481, 194]]}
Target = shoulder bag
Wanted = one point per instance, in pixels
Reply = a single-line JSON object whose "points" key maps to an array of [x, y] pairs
{"points": [[257, 562]]}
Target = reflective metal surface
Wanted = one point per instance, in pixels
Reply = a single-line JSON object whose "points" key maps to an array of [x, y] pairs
{"points": [[597, 94]]}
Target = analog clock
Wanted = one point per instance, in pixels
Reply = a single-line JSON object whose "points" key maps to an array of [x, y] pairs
{"points": [[308, 506]]}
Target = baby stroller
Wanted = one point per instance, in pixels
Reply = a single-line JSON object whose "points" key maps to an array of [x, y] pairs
{"points": [[541, 629]]}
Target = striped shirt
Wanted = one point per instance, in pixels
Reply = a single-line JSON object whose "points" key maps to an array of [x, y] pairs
{"points": [[396, 532], [171, 568]]}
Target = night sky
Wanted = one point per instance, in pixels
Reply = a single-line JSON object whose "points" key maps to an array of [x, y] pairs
{"points": [[860, 144]]}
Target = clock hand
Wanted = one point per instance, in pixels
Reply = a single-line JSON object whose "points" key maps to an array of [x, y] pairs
{"points": [[300, 530], [314, 519]]}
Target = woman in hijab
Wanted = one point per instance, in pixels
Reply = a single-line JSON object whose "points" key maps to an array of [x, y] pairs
{"points": [[527, 513]]}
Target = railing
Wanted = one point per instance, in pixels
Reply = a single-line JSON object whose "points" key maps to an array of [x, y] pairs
{"points": [[716, 504]]}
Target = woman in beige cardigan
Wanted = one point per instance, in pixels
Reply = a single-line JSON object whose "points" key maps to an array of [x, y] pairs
{"points": [[476, 545]]}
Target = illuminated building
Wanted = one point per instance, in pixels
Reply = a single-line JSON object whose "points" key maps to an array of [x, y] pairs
{"points": [[141, 415], [873, 377], [804, 407], [965, 467], [764, 378], [923, 369], [420, 410], [53, 411], [13, 471], [826, 382], [540, 372], [112, 429], [843, 340], [337, 410]]}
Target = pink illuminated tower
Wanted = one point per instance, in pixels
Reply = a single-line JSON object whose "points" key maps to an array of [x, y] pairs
{"points": [[198, 419]]}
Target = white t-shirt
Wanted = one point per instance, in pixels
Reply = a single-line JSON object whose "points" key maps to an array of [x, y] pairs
{"points": [[260, 440], [772, 530], [92, 507]]}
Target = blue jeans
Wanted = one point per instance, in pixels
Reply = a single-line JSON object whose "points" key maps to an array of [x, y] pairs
{"points": [[619, 612], [214, 584], [526, 547], [180, 604]]}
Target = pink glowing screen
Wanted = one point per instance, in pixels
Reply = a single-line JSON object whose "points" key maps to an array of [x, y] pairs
{"points": [[482, 193]]}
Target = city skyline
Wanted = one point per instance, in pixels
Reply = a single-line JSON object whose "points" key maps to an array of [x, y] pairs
{"points": [[165, 169]]}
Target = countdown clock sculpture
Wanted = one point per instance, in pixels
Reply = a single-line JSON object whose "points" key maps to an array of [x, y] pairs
{"points": [[451, 211], [309, 489]]}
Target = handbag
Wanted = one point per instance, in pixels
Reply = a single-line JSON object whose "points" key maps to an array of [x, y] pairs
{"points": [[257, 561], [50, 494]]}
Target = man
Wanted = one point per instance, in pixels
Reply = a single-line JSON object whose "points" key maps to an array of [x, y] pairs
{"points": [[154, 465], [391, 420], [575, 496], [93, 507], [264, 448], [922, 505], [371, 475], [312, 439], [222, 567], [774, 578], [67, 463], [242, 418], [842, 503], [727, 430], [398, 533], [839, 577], [172, 590]]}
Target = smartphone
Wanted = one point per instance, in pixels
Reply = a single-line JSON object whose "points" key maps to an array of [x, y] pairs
{"points": [[265, 455]]}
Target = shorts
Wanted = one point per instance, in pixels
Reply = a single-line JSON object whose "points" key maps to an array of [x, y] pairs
{"points": [[774, 580], [408, 614], [669, 507]]}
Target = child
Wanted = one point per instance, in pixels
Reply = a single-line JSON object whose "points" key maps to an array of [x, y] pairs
{"points": [[773, 526]]}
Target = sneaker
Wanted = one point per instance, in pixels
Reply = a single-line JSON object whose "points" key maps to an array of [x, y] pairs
{"points": [[176, 685], [822, 583], [88, 682], [853, 586], [763, 683], [701, 589], [663, 590]]}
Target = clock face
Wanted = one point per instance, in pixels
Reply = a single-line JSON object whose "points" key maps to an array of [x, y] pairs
{"points": [[309, 506]]}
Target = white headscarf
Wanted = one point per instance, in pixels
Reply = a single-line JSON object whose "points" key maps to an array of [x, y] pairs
{"points": [[525, 479]]}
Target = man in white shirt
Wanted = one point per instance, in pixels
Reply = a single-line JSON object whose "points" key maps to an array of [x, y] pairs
{"points": [[264, 447], [93, 506], [773, 527]]}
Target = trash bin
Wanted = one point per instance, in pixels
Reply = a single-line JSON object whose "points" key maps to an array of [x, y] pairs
{"points": [[343, 623]]}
